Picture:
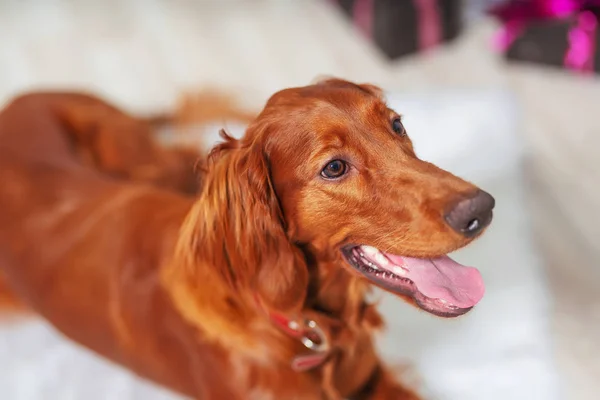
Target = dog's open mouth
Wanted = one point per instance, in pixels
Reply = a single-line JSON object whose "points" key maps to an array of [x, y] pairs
{"points": [[439, 285]]}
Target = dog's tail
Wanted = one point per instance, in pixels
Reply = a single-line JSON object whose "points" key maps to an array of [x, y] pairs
{"points": [[211, 105], [203, 107]]}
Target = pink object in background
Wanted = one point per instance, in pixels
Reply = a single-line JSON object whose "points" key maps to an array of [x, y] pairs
{"points": [[430, 32], [363, 16], [582, 43], [516, 15], [429, 22], [507, 34]]}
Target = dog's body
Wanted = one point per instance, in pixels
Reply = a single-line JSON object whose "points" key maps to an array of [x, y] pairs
{"points": [[180, 290], [58, 217]]}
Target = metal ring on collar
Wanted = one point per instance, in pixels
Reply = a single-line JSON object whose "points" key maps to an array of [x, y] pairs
{"points": [[323, 344]]}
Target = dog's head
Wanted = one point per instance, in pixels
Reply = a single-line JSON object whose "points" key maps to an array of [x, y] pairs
{"points": [[330, 168]]}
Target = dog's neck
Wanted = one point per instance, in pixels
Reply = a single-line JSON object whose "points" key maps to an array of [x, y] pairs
{"points": [[335, 291], [333, 295]]}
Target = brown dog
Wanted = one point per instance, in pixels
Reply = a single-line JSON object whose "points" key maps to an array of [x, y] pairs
{"points": [[254, 289]]}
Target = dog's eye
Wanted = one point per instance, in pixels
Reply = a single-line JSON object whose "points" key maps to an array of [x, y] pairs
{"points": [[398, 127], [334, 169]]}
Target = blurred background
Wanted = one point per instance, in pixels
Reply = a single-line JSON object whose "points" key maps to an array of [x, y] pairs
{"points": [[507, 98]]}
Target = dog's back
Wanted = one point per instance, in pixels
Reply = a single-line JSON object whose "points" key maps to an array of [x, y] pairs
{"points": [[84, 250]]}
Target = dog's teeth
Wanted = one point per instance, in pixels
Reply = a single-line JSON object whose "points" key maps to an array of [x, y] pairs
{"points": [[399, 271], [381, 259], [369, 249]]}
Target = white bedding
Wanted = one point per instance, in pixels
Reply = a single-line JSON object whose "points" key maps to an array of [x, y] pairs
{"points": [[501, 350]]}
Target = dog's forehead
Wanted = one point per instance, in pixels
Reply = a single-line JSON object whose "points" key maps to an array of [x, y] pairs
{"points": [[309, 120], [349, 123], [325, 124]]}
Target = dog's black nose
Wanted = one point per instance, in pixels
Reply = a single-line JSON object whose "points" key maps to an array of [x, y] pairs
{"points": [[471, 215]]}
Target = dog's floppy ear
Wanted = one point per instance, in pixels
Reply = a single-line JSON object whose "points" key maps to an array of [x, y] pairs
{"points": [[233, 245]]}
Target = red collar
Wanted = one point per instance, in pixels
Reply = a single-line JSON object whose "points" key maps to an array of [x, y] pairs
{"points": [[308, 332]]}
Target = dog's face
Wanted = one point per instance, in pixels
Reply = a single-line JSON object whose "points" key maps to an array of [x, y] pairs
{"points": [[348, 181]]}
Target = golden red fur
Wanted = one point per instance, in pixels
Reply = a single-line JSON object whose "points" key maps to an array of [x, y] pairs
{"points": [[102, 234]]}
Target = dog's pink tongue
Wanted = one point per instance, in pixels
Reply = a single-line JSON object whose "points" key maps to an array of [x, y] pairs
{"points": [[443, 278]]}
